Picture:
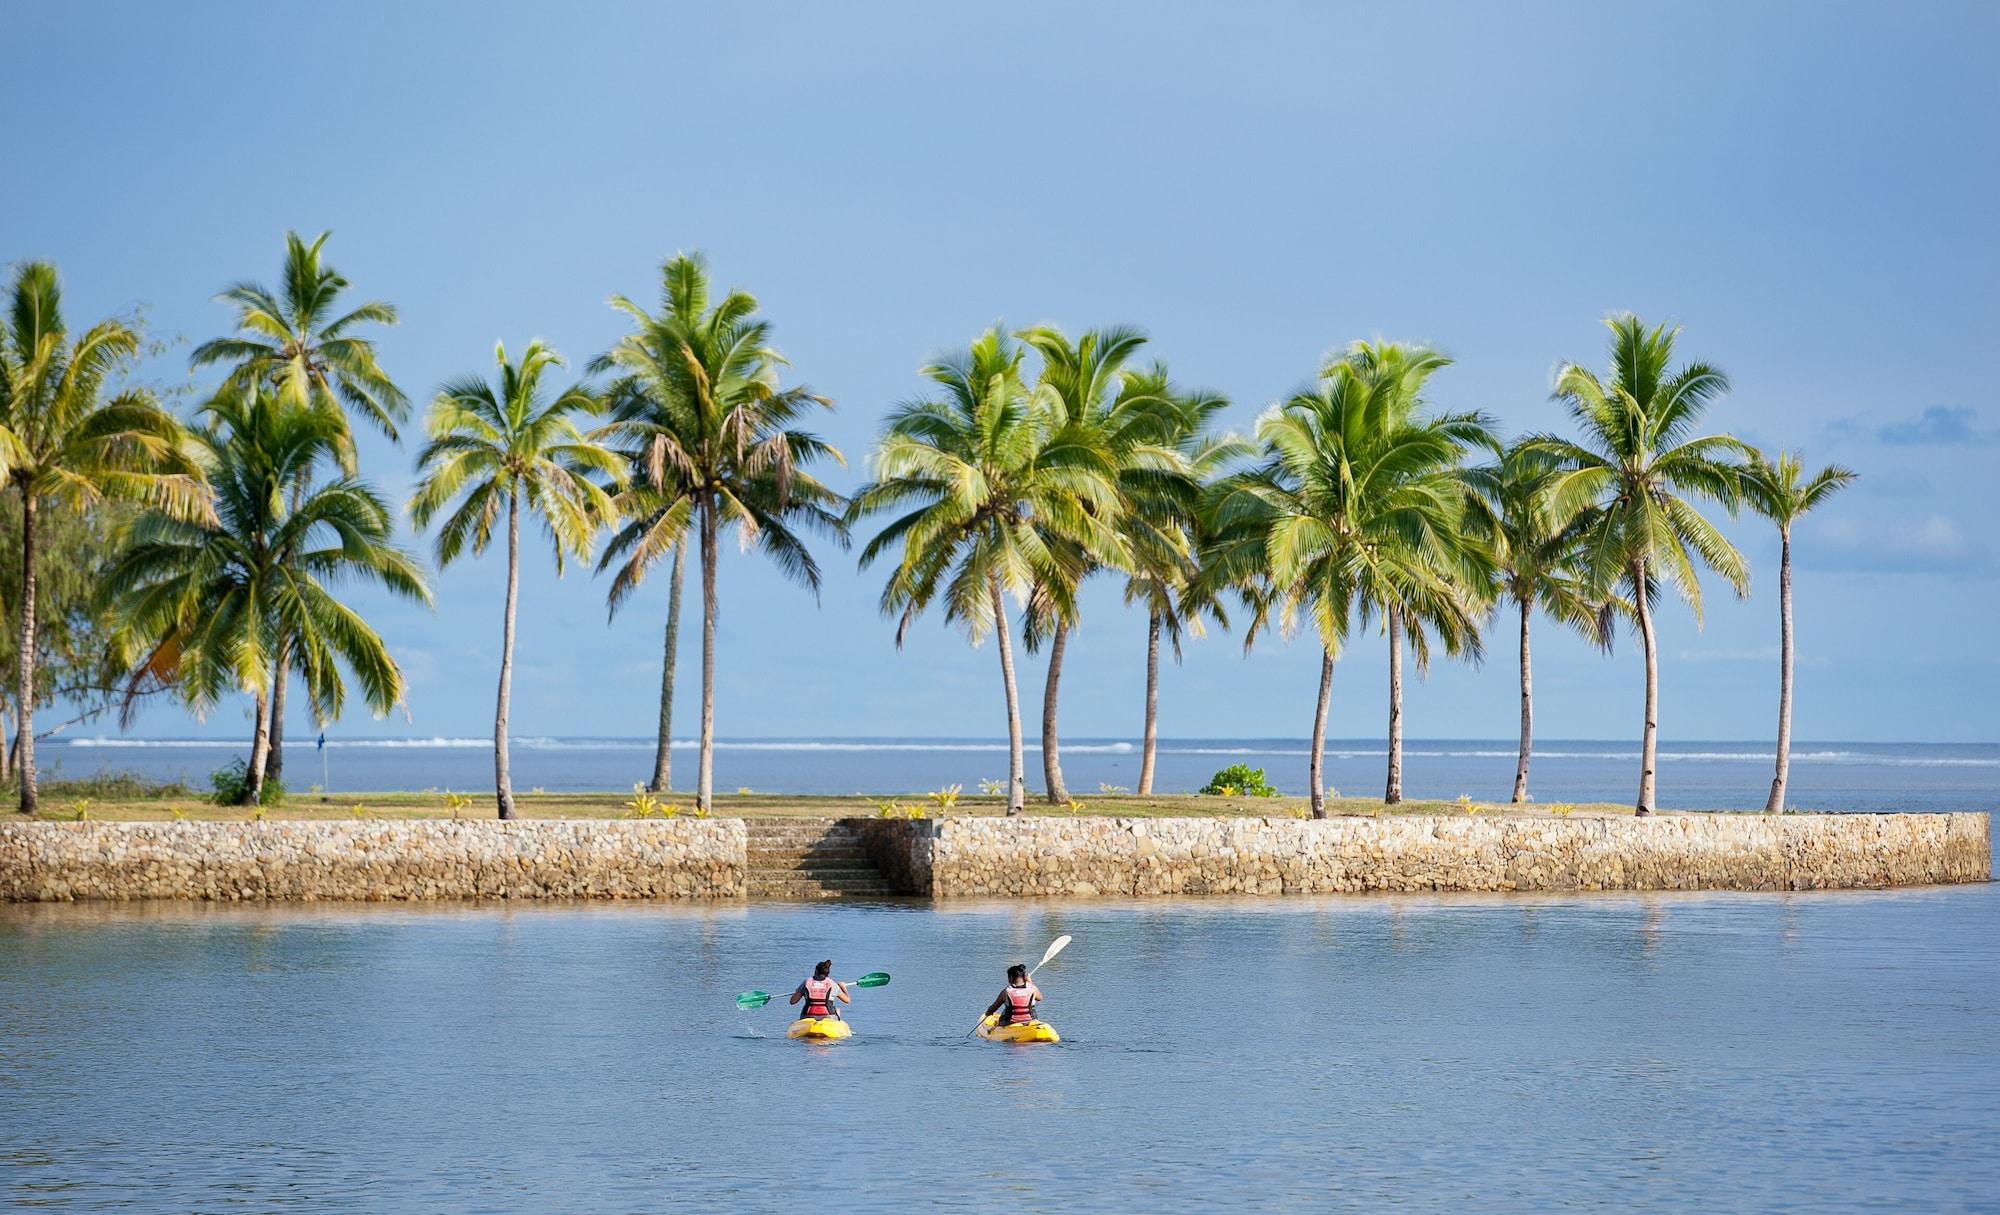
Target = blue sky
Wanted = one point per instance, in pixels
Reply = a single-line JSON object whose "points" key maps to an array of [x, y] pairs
{"points": [[1809, 189]]}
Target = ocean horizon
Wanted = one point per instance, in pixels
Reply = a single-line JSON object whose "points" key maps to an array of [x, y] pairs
{"points": [[1694, 773]]}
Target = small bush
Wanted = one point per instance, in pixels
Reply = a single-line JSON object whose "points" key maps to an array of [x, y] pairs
{"points": [[232, 778], [1239, 780]]}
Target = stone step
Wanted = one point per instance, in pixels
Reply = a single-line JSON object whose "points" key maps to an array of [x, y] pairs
{"points": [[845, 856], [809, 888], [785, 876]]}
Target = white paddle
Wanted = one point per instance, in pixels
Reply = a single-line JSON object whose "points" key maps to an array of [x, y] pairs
{"points": [[1055, 947]]}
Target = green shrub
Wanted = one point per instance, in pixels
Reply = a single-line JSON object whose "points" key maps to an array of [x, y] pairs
{"points": [[1239, 780], [230, 779]]}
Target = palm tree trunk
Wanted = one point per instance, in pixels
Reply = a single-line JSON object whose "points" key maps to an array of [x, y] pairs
{"points": [[1151, 740], [1649, 744], [503, 779], [1017, 779], [1051, 755], [275, 769], [1776, 804], [663, 751], [705, 795], [24, 686], [1392, 793], [260, 754], [1527, 708], [1314, 764]]}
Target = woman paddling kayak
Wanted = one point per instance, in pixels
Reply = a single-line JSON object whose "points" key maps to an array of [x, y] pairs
{"points": [[1015, 1005], [820, 992]]}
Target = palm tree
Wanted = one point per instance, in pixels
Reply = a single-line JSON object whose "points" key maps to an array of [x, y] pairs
{"points": [[65, 436], [1459, 561], [1087, 384], [1341, 514], [300, 340], [501, 446], [1162, 528], [1001, 492], [652, 517], [214, 598], [1539, 565], [698, 406], [1641, 465], [1780, 491]]}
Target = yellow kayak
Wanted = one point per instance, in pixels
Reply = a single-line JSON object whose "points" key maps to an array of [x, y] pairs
{"points": [[822, 1029], [1031, 1031]]}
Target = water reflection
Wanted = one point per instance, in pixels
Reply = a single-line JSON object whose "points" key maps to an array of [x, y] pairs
{"points": [[1499, 1053]]}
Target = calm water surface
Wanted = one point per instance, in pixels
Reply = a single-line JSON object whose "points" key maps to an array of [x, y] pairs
{"points": [[1805, 1052]]}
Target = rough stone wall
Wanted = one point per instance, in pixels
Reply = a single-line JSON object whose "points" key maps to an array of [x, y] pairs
{"points": [[901, 849], [372, 861], [992, 857], [1100, 856]]}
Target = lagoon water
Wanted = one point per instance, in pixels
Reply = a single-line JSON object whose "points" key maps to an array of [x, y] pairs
{"points": [[1693, 775], [1770, 1052]]}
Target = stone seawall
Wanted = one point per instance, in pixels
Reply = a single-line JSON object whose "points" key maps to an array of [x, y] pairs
{"points": [[1085, 857], [372, 861], [993, 857]]}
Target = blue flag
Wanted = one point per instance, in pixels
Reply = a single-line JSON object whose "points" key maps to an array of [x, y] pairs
{"points": [[322, 740]]}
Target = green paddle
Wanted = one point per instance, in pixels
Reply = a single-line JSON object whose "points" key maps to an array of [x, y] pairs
{"points": [[758, 999]]}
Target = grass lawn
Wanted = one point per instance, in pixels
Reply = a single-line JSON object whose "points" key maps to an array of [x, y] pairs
{"points": [[67, 801]]}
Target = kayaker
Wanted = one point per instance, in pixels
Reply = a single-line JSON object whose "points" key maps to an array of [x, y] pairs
{"points": [[820, 992], [1015, 1005]]}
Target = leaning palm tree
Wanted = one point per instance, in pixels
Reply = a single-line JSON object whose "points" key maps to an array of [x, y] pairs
{"points": [[1459, 560], [1087, 384], [302, 341], [697, 405], [1640, 464], [1000, 492], [501, 446], [66, 436], [213, 599], [1339, 516], [1162, 528], [1780, 491], [1538, 563]]}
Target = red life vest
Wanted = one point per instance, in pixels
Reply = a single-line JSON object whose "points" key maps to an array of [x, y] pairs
{"points": [[1020, 1007], [819, 998]]}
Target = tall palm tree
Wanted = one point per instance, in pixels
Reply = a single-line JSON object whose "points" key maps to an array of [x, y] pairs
{"points": [[647, 513], [1539, 564], [1000, 492], [303, 342], [698, 405], [1780, 491], [214, 598], [1640, 464], [1162, 528], [499, 446], [66, 435], [1134, 415], [1458, 559], [1341, 514]]}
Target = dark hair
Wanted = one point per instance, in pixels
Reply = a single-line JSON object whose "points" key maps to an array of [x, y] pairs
{"points": [[1017, 971], [823, 969]]}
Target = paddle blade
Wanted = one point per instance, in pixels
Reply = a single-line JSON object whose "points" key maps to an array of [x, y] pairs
{"points": [[753, 999], [874, 978], [1057, 946]]}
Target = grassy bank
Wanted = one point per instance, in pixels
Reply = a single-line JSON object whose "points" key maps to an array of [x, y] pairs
{"points": [[173, 803]]}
